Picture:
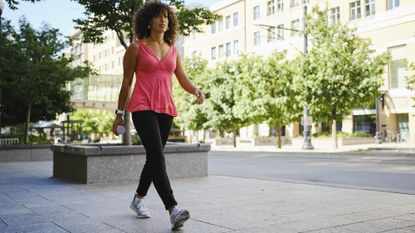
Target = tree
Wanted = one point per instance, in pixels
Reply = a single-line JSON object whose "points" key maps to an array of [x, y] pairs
{"points": [[340, 72], [95, 121], [34, 74], [221, 107], [411, 79], [116, 15], [192, 116], [13, 3]]}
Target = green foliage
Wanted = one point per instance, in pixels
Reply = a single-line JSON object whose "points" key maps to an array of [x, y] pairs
{"points": [[34, 74], [136, 140], [95, 121], [192, 116], [39, 139], [340, 71], [411, 79], [13, 3], [116, 15], [222, 108]]}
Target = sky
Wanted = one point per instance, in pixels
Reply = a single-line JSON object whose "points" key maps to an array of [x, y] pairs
{"points": [[58, 13]]}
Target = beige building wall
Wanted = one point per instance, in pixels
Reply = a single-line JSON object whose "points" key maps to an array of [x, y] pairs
{"points": [[388, 27], [223, 40]]}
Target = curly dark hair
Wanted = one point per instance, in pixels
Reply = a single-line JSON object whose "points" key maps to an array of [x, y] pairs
{"points": [[144, 15]]}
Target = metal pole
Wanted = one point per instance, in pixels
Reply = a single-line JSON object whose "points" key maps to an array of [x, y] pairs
{"points": [[378, 139], [307, 128]]}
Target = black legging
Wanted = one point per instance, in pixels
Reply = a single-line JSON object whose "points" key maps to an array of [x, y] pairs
{"points": [[153, 129]]}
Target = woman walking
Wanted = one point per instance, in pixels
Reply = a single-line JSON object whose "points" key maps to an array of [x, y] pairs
{"points": [[154, 59]]}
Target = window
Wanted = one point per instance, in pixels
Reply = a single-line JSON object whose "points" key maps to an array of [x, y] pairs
{"points": [[220, 25], [397, 67], [235, 19], [369, 7], [295, 25], [256, 13], [271, 34], [280, 32], [213, 53], [257, 38], [355, 10], [335, 15], [280, 5], [220, 51], [294, 3], [228, 22], [270, 7], [236, 47], [213, 28], [392, 4], [228, 49]]}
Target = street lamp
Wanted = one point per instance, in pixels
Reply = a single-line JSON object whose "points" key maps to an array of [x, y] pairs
{"points": [[307, 123], [378, 138]]}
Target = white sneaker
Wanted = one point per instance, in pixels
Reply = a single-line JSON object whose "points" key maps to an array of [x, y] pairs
{"points": [[140, 208], [178, 217]]}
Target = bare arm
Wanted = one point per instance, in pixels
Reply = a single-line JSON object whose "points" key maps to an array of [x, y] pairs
{"points": [[129, 65], [186, 83]]}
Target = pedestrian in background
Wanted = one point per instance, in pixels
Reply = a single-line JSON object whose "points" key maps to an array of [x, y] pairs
{"points": [[154, 58]]}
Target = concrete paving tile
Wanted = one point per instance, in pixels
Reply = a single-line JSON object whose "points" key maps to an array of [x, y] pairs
{"points": [[42, 228], [380, 225], [14, 209], [410, 229], [408, 217], [10, 189], [130, 223], [87, 227], [22, 219], [6, 201], [264, 229], [341, 229]]}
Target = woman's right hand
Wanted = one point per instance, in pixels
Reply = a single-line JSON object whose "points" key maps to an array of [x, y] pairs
{"points": [[118, 121]]}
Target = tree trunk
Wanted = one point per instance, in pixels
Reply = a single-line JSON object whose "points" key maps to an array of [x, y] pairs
{"points": [[204, 136], [278, 131], [334, 130], [26, 132], [126, 138], [234, 138]]}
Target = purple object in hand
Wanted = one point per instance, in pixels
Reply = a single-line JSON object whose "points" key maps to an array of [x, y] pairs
{"points": [[121, 129]]}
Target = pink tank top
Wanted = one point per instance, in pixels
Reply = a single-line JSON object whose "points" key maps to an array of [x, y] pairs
{"points": [[153, 86]]}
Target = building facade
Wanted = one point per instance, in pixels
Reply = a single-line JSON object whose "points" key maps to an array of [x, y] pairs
{"points": [[100, 90], [254, 27]]}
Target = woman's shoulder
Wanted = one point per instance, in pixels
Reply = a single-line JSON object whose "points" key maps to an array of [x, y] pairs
{"points": [[132, 48]]}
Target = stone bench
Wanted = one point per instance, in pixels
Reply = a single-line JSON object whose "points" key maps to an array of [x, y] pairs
{"points": [[117, 163], [18, 153]]}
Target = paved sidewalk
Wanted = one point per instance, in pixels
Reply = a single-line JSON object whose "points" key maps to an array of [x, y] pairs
{"points": [[322, 148], [32, 201]]}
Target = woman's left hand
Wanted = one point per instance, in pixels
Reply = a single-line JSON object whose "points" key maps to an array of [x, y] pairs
{"points": [[200, 96]]}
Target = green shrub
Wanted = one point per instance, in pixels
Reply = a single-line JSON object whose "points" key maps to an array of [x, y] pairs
{"points": [[136, 140]]}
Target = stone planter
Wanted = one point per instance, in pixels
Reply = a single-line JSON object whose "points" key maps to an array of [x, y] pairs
{"points": [[15, 153], [117, 163], [356, 141]]}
